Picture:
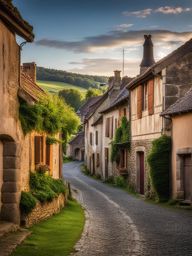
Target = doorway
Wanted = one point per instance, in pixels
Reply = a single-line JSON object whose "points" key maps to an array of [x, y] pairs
{"points": [[187, 168], [106, 163], [141, 173]]}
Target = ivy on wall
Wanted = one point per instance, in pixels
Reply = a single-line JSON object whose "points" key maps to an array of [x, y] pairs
{"points": [[50, 115], [122, 140], [159, 161]]}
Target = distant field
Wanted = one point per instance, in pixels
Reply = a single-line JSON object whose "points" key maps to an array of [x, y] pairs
{"points": [[55, 87]]}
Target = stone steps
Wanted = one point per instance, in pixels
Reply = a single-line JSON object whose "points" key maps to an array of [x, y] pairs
{"points": [[7, 227], [11, 236]]}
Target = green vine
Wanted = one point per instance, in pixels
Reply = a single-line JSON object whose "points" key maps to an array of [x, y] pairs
{"points": [[159, 161], [50, 115], [52, 140], [122, 140]]}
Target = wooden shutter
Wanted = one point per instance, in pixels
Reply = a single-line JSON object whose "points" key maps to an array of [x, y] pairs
{"points": [[107, 127], [151, 97], [96, 137], [37, 147], [139, 101], [111, 128]]}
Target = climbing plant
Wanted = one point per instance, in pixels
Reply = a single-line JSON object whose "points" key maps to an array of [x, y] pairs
{"points": [[51, 115], [159, 161], [122, 139]]}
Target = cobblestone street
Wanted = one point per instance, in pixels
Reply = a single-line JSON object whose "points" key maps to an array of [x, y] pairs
{"points": [[119, 224]]}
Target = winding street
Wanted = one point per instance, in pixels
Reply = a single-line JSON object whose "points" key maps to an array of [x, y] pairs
{"points": [[120, 224]]}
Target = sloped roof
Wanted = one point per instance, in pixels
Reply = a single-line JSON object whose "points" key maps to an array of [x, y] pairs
{"points": [[99, 120], [82, 111], [120, 99], [182, 105], [78, 140], [29, 90], [11, 16], [161, 64]]}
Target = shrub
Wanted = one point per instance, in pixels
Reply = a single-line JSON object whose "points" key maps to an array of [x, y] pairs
{"points": [[119, 181], [159, 161], [42, 168], [44, 187], [27, 202]]}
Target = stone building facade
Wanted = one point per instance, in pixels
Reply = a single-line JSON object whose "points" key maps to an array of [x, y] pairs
{"points": [[17, 151], [157, 87], [181, 116]]}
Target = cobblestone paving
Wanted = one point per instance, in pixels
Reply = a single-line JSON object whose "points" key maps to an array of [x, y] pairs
{"points": [[119, 224]]}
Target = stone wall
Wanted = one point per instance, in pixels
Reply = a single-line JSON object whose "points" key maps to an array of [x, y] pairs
{"points": [[138, 146], [43, 211]]}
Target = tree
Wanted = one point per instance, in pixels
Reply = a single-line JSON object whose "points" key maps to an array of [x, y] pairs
{"points": [[72, 97], [91, 92]]}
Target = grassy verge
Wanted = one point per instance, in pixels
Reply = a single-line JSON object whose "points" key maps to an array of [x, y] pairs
{"points": [[56, 236], [67, 159]]}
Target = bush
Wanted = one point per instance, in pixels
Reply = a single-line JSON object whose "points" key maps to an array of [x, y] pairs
{"points": [[42, 169], [27, 202], [44, 187], [159, 161], [119, 181]]}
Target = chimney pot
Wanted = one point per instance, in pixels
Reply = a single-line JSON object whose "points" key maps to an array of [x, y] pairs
{"points": [[148, 59], [30, 70]]}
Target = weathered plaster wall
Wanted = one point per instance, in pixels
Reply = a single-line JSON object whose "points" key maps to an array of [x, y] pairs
{"points": [[182, 139], [149, 126]]}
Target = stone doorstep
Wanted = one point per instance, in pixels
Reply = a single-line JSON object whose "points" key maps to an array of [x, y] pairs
{"points": [[10, 241], [7, 227]]}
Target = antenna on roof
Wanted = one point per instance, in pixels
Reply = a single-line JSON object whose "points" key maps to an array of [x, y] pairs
{"points": [[123, 67]]}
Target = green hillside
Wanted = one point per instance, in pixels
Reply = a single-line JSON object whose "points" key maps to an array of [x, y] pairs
{"points": [[55, 87]]}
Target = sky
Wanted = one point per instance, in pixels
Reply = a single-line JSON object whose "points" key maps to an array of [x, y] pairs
{"points": [[88, 37]]}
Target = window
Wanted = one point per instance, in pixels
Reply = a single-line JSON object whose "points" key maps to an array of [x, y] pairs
{"points": [[124, 112], [144, 97], [98, 160], [116, 123], [107, 125], [111, 128], [91, 138], [96, 137], [123, 158], [38, 150]]}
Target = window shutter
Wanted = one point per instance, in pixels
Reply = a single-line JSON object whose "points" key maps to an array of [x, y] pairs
{"points": [[139, 101], [111, 128], [151, 97], [37, 149]]}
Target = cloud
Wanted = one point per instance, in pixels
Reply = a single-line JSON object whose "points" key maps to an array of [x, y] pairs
{"points": [[122, 27], [116, 39], [105, 66], [172, 10], [164, 10], [141, 14]]}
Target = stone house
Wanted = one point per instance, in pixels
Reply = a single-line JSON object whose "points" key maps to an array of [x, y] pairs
{"points": [[16, 150], [76, 147], [181, 116], [100, 125], [157, 87], [112, 116]]}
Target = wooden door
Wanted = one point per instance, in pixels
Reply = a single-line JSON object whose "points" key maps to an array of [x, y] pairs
{"points": [[188, 177], [141, 172], [106, 163], [1, 170]]}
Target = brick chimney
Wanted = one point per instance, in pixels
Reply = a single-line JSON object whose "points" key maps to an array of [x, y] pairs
{"points": [[30, 70], [117, 79], [148, 59]]}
